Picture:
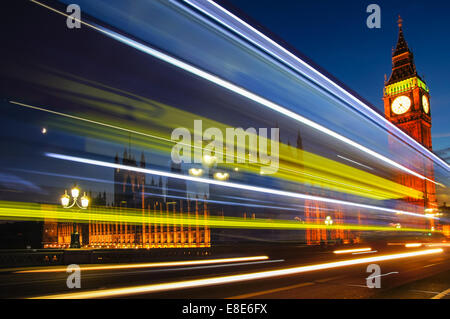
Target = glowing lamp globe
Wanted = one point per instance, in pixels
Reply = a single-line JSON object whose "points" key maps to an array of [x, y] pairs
{"points": [[65, 200], [75, 192], [84, 201]]}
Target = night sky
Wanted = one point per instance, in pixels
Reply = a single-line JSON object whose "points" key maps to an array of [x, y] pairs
{"points": [[334, 35]]}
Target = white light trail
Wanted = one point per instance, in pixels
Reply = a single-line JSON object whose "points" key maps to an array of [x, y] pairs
{"points": [[347, 251], [152, 265], [365, 252], [355, 162], [229, 184], [243, 92], [295, 62], [115, 292], [260, 100]]}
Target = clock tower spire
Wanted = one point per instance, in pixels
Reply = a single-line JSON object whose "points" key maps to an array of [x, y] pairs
{"points": [[406, 95]]}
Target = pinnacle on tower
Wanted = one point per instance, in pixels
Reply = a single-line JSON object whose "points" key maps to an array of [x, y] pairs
{"points": [[403, 66], [402, 45]]}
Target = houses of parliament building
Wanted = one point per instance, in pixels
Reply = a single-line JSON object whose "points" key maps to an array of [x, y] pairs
{"points": [[133, 194], [407, 104]]}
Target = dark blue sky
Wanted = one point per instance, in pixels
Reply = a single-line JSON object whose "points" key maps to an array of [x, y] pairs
{"points": [[334, 35]]}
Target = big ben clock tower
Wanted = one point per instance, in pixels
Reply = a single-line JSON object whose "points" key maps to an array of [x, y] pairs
{"points": [[406, 96], [407, 104]]}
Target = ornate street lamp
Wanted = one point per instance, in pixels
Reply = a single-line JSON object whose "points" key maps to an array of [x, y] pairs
{"points": [[75, 192], [84, 203]]}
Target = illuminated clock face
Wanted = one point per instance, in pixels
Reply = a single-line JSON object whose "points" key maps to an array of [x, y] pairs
{"points": [[401, 104], [425, 104]]}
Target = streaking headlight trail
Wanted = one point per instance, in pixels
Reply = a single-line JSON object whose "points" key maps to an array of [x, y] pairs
{"points": [[37, 212], [153, 265], [230, 184], [234, 278]]}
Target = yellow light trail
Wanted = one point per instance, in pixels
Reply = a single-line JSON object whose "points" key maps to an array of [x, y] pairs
{"points": [[116, 292], [234, 185], [316, 170], [348, 251], [152, 265], [31, 211]]}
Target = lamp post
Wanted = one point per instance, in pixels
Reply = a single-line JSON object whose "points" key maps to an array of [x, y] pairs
{"points": [[65, 202], [328, 222], [431, 213]]}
